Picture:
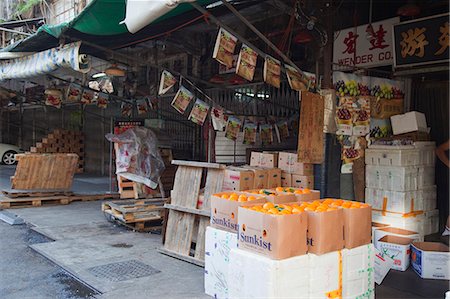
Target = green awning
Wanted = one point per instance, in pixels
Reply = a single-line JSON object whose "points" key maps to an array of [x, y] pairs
{"points": [[100, 22]]}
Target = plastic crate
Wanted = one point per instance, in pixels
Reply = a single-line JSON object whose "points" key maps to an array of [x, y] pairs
{"points": [[393, 178]]}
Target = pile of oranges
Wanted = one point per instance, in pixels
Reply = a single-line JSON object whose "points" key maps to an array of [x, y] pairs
{"points": [[346, 204], [292, 190], [276, 209], [238, 197]]}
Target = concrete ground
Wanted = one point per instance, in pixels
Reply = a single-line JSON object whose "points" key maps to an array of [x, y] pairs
{"points": [[41, 259]]}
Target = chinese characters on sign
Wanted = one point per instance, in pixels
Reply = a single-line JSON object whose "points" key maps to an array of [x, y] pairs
{"points": [[365, 46], [422, 41]]}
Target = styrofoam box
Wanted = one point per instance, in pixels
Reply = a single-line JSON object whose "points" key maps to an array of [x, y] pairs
{"points": [[392, 156], [394, 178], [256, 276], [218, 244], [408, 122], [324, 274], [396, 201], [425, 176], [427, 154], [413, 223], [431, 223], [358, 272], [429, 197]]}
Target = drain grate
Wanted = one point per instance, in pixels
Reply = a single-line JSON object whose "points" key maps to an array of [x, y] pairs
{"points": [[123, 270]]}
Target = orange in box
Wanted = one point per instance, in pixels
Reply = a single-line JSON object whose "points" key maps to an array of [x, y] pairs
{"points": [[224, 208], [357, 222], [301, 194], [272, 196], [274, 236]]}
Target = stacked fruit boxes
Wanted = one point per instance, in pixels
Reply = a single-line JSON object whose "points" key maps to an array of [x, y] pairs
{"points": [[400, 186], [62, 141]]}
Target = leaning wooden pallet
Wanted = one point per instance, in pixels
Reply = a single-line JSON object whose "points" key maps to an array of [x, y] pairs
{"points": [[139, 215], [186, 224]]}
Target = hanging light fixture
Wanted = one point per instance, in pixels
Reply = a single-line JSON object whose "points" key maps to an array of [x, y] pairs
{"points": [[114, 71]]}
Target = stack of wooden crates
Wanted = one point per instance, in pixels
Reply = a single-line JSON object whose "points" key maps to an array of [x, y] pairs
{"points": [[62, 141]]}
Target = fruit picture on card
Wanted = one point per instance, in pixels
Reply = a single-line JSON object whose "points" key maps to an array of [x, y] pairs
{"points": [[199, 112], [167, 82], [233, 128], [295, 79], [272, 71], [182, 99], [249, 133], [224, 48], [266, 133], [246, 63], [102, 100]]}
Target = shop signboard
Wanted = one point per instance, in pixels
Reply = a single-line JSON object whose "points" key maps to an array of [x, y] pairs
{"points": [[357, 46], [422, 41]]}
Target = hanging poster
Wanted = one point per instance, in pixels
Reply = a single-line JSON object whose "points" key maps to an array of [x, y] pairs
{"points": [[283, 129], [127, 109], [182, 99], [53, 97], [361, 116], [102, 100], [266, 134], [142, 107], [310, 134], [246, 63], [199, 112], [295, 78], [224, 48], [272, 71], [218, 119], [344, 116], [87, 97], [74, 92], [249, 132], [167, 82], [233, 128]]}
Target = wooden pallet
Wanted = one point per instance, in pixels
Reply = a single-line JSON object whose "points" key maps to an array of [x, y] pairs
{"points": [[27, 202], [16, 194], [186, 224], [139, 215]]}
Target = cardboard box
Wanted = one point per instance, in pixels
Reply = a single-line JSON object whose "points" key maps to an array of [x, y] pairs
{"points": [[265, 160], [224, 212], [286, 179], [256, 276], [260, 176], [377, 226], [398, 232], [301, 181], [385, 108], [274, 236], [325, 231], [218, 245], [397, 248], [409, 122], [273, 177], [237, 179], [431, 260], [357, 227], [325, 275], [414, 221], [358, 265], [288, 162]]}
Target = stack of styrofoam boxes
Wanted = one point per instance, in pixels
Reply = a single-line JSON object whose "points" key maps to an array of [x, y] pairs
{"points": [[400, 186], [293, 173]]}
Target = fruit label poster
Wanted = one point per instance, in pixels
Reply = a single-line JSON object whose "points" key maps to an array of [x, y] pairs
{"points": [[102, 100], [233, 128], [182, 99], [310, 134], [246, 63], [272, 71], [224, 48], [361, 116], [167, 82], [344, 116], [297, 81], [199, 112], [74, 92], [142, 107], [266, 133], [249, 133]]}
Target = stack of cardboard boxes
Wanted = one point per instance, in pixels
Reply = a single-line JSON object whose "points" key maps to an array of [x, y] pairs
{"points": [[279, 244], [293, 173]]}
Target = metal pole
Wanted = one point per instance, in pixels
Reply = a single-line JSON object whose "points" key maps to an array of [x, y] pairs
{"points": [[257, 32], [110, 156]]}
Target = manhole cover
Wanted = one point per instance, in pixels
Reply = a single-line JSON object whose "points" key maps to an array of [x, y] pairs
{"points": [[123, 270]]}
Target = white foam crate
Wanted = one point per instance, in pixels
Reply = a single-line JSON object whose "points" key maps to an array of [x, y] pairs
{"points": [[393, 178], [427, 154], [431, 223], [395, 201], [429, 196], [414, 223], [358, 272], [425, 176], [392, 157]]}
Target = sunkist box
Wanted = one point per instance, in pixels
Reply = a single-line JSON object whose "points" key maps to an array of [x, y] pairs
{"points": [[397, 248], [288, 162], [357, 227], [325, 231], [265, 160], [224, 212], [274, 236], [237, 179], [431, 260]]}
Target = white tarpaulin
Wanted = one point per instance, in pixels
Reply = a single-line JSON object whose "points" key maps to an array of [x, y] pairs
{"points": [[45, 62], [140, 13]]}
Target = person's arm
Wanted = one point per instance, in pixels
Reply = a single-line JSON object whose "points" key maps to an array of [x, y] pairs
{"points": [[440, 153]]}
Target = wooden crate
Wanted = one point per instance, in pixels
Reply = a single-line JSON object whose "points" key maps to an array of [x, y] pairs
{"points": [[186, 224], [127, 188], [44, 171]]}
